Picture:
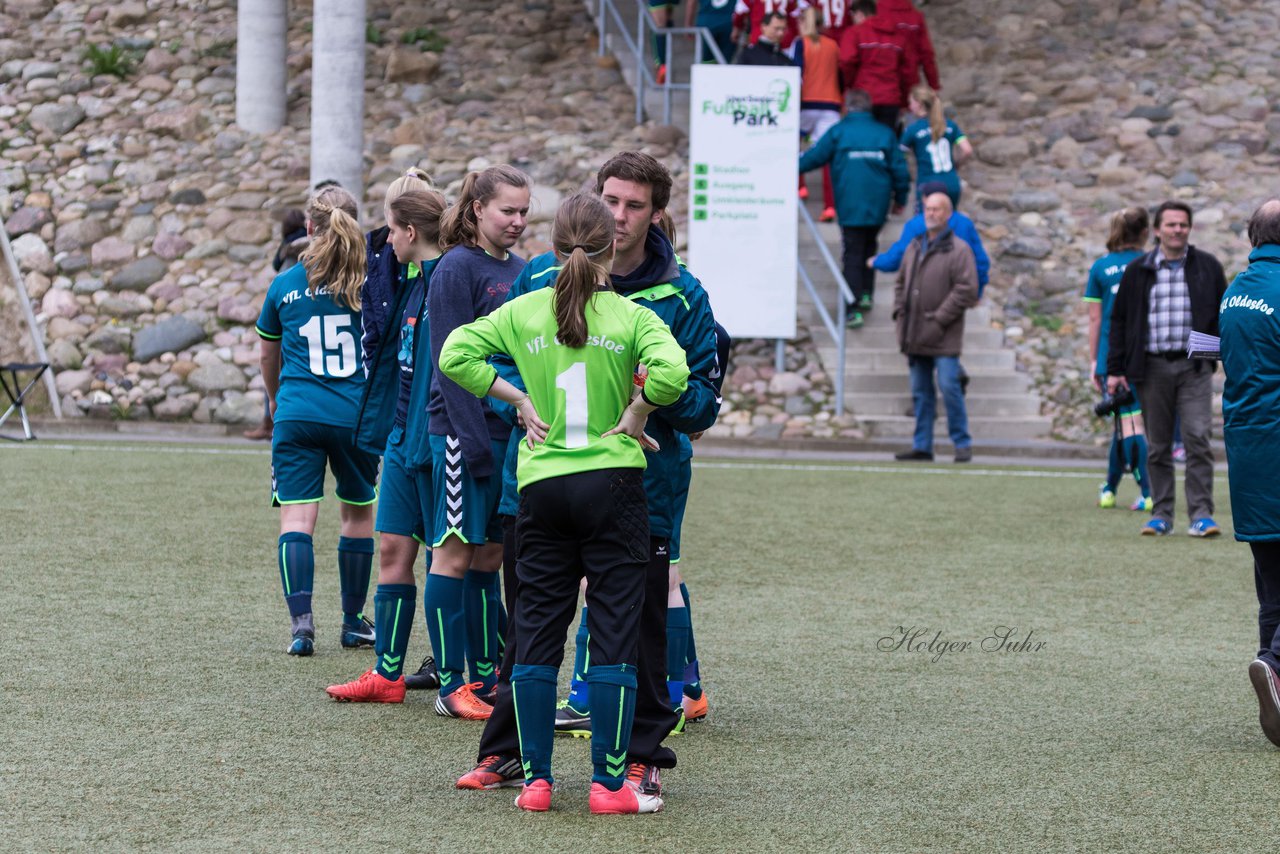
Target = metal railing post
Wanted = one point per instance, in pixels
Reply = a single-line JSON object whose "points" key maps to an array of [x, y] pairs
{"points": [[600, 27], [666, 81], [641, 20]]}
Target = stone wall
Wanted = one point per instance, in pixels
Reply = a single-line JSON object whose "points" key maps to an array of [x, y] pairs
{"points": [[144, 219]]}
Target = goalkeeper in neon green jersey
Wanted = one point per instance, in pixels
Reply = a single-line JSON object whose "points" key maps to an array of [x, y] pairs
{"points": [[583, 510]]}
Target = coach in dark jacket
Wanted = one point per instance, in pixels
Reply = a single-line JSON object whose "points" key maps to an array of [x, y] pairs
{"points": [[938, 282], [1163, 296]]}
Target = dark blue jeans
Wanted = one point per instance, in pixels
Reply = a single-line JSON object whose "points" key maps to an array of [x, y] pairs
{"points": [[924, 399]]}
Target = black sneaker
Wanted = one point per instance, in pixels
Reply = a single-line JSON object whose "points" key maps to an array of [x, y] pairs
{"points": [[1265, 681], [358, 635], [426, 679], [303, 644], [914, 456], [570, 721]]}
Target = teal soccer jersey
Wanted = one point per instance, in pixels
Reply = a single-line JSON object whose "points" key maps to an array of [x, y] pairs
{"points": [[320, 376], [934, 160], [579, 392], [1104, 281]]}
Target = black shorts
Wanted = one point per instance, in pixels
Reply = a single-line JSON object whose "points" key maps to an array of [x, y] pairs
{"points": [[593, 524]]}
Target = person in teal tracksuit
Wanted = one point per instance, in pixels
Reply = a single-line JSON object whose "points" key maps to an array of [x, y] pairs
{"points": [[870, 177], [1250, 328], [1129, 232], [394, 414], [311, 369]]}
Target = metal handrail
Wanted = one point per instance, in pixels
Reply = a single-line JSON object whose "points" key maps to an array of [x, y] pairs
{"points": [[837, 329], [644, 76]]}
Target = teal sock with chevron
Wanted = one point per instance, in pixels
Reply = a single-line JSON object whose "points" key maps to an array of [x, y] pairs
{"points": [[677, 643], [355, 566], [581, 659], [447, 629], [612, 692], [297, 559], [481, 601], [692, 678], [393, 606], [533, 692]]}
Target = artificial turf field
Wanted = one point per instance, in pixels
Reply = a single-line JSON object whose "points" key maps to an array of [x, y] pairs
{"points": [[147, 703]]}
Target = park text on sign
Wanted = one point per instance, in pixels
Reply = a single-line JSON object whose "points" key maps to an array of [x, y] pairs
{"points": [[744, 147]]}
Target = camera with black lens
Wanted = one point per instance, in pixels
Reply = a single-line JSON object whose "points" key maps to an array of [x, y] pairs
{"points": [[1111, 404]]}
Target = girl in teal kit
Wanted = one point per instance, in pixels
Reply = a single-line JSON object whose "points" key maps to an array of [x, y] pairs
{"points": [[405, 503], [309, 324], [937, 143], [583, 511], [1129, 232]]}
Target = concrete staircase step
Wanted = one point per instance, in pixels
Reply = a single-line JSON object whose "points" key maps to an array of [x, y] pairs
{"points": [[886, 359], [889, 382], [990, 405], [884, 336], [980, 426]]}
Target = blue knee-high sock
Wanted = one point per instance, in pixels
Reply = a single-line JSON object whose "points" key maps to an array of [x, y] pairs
{"points": [[297, 571], [581, 658], [692, 675], [481, 599], [1115, 462], [447, 627], [533, 692], [393, 606], [677, 643], [355, 565], [1136, 449], [612, 689]]}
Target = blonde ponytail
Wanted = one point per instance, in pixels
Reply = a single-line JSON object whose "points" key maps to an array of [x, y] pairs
{"points": [[335, 257]]}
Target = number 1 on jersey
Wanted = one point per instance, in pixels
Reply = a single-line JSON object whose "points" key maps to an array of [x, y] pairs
{"points": [[573, 380]]}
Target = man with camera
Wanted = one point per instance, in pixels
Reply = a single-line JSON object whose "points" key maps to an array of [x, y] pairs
{"points": [[1250, 409], [1163, 296]]}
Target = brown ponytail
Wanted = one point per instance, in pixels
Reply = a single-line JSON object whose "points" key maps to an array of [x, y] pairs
{"points": [[458, 226], [1128, 228], [582, 235], [335, 257]]}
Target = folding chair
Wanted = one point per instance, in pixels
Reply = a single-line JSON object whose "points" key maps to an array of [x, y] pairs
{"points": [[17, 393]]}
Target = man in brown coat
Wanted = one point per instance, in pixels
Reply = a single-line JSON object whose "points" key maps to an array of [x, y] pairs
{"points": [[938, 281]]}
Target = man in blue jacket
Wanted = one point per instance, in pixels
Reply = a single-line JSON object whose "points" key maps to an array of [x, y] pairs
{"points": [[1250, 331], [961, 226], [870, 174], [637, 189]]}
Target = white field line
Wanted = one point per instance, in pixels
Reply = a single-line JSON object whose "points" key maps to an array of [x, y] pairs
{"points": [[835, 468]]}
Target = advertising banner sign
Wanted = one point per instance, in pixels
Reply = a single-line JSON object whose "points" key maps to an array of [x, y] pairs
{"points": [[744, 147]]}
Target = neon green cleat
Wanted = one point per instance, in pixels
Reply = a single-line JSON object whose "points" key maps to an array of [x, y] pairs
{"points": [[1106, 497], [1142, 504]]}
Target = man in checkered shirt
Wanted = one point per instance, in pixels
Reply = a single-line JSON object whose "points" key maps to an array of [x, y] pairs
{"points": [[1163, 295]]}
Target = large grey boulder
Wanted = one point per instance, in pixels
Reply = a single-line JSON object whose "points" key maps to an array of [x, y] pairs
{"points": [[167, 336]]}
